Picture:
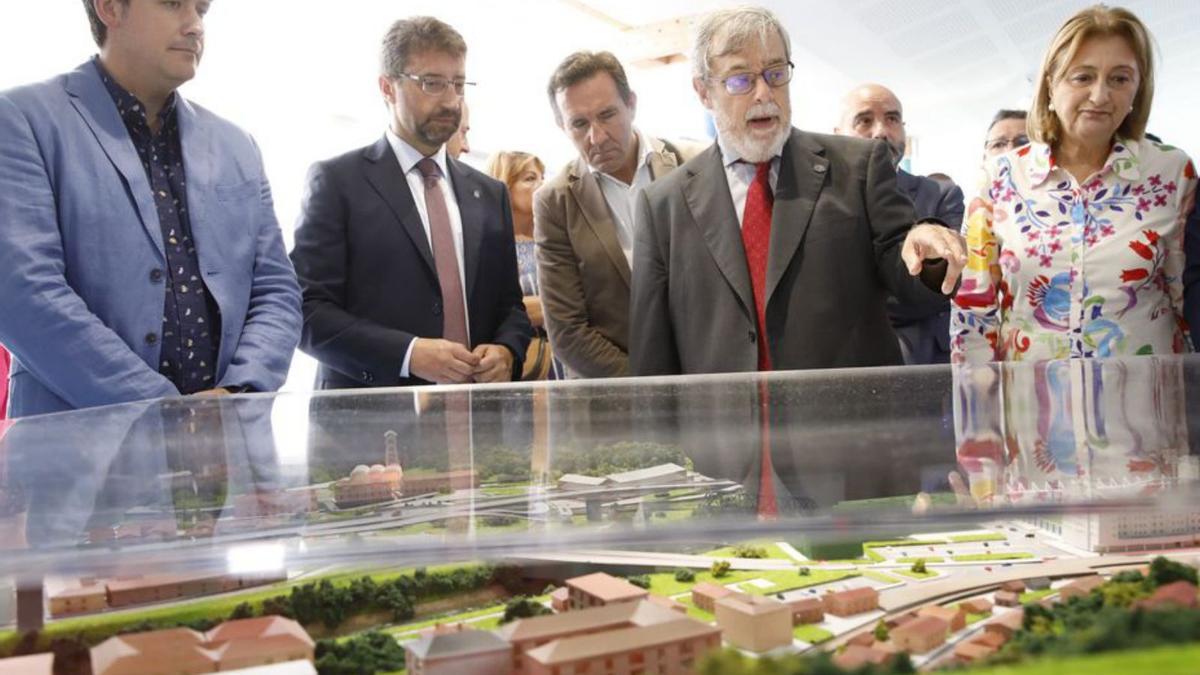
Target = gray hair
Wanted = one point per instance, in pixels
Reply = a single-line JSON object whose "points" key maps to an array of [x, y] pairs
{"points": [[418, 34], [736, 27]]}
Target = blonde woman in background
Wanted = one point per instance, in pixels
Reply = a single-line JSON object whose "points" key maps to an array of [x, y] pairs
{"points": [[1075, 246], [523, 174]]}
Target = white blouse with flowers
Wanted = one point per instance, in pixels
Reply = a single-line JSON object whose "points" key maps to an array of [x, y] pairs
{"points": [[1059, 270]]}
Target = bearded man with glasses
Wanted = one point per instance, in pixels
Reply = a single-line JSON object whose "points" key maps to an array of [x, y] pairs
{"points": [[405, 255], [776, 248]]}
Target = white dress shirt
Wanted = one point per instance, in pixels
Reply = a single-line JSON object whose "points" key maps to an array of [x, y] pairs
{"points": [[740, 175], [408, 156], [620, 196]]}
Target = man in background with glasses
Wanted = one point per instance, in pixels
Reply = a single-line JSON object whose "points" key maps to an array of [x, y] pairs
{"points": [[873, 111], [1006, 132], [405, 255], [776, 248]]}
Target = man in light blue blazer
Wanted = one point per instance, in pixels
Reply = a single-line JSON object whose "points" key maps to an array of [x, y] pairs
{"points": [[140, 256]]}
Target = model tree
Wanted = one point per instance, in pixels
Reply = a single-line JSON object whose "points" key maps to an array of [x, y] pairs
{"points": [[918, 567], [881, 631], [719, 568], [522, 607]]}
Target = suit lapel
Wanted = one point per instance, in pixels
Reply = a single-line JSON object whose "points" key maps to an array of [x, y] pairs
{"points": [[470, 208], [706, 191], [198, 153], [387, 179], [662, 161], [802, 173], [586, 189], [95, 105]]}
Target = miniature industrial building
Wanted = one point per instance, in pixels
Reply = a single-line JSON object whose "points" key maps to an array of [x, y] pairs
{"points": [[600, 589], [466, 652], [920, 635], [574, 481], [706, 595], [560, 599], [368, 485], [1016, 586], [755, 623], [89, 598], [526, 635], [851, 602], [976, 606], [1006, 624], [97, 595], [671, 648], [1177, 595], [970, 652], [954, 617], [855, 657], [807, 610], [242, 643], [1080, 587], [1007, 599]]}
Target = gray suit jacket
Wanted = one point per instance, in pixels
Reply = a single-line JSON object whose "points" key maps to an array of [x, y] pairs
{"points": [[583, 276], [837, 229]]}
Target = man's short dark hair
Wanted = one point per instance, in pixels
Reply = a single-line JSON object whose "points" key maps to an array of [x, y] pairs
{"points": [[415, 35], [1008, 115], [581, 66], [99, 30]]}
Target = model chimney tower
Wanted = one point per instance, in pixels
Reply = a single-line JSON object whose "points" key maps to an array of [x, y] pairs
{"points": [[391, 456]]}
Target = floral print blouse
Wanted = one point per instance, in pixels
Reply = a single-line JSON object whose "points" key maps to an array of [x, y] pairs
{"points": [[1059, 270]]}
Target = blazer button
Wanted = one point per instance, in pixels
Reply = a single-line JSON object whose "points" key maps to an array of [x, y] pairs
{"points": [[151, 338], [437, 307], [753, 337], [156, 275], [368, 377]]}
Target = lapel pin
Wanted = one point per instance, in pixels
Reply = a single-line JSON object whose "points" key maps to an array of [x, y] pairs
{"points": [[819, 168], [476, 193]]}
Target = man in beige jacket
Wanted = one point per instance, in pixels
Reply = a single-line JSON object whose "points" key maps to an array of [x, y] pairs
{"points": [[583, 218]]}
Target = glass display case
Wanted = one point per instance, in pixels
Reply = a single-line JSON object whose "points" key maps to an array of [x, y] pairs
{"points": [[426, 515]]}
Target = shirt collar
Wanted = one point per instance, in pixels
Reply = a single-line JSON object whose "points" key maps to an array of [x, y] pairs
{"points": [[409, 156], [645, 150], [129, 106], [1122, 160]]}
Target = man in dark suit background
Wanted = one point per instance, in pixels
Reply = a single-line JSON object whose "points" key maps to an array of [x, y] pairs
{"points": [[775, 248], [873, 111], [405, 255]]}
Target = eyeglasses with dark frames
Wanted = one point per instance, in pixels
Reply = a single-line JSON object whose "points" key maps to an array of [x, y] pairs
{"points": [[739, 84], [435, 85]]}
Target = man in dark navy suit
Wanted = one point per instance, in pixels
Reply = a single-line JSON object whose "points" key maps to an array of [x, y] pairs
{"points": [[406, 256]]}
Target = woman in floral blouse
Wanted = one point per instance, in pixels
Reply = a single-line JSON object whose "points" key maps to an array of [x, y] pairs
{"points": [[1075, 245]]}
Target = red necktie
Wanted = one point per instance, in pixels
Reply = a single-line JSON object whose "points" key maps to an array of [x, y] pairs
{"points": [[441, 238], [756, 238]]}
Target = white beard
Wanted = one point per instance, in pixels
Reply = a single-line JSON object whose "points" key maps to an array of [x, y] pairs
{"points": [[754, 150]]}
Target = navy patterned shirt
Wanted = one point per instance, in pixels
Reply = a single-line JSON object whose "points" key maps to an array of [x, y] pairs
{"points": [[191, 320]]}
